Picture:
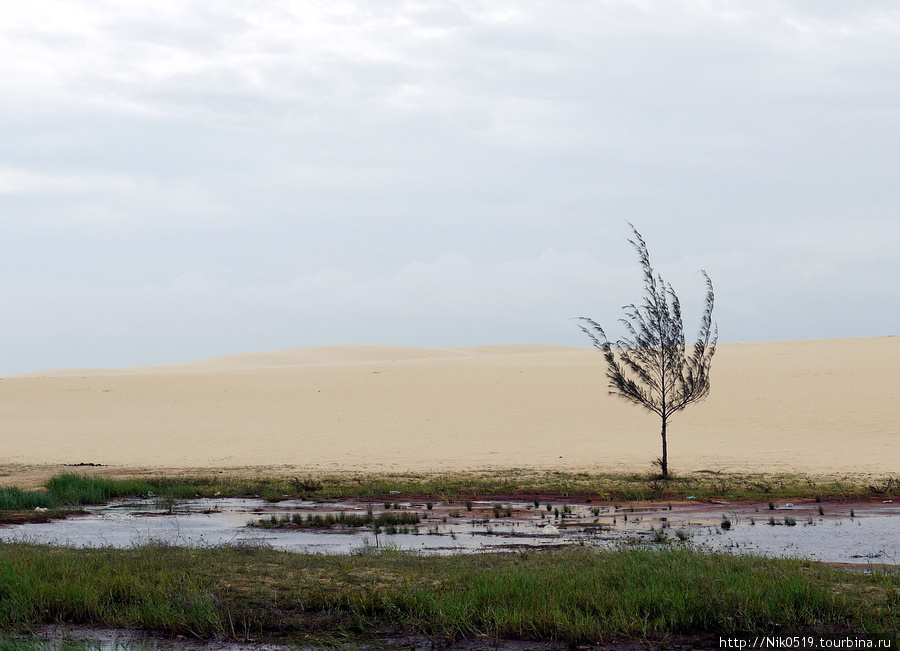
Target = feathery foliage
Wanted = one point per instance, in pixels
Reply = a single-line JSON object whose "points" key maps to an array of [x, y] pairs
{"points": [[650, 366]]}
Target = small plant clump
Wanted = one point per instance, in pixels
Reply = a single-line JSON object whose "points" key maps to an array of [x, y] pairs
{"points": [[329, 520], [502, 511]]}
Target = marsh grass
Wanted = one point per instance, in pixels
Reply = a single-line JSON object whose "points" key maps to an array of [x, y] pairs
{"points": [[344, 519], [71, 490], [502, 510], [579, 596], [462, 487], [152, 588], [75, 490], [607, 487], [62, 495], [14, 499]]}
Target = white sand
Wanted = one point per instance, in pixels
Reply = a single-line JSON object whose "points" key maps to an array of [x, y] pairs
{"points": [[813, 406]]}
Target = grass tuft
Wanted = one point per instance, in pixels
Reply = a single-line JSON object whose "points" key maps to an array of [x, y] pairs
{"points": [[14, 499], [75, 490]]}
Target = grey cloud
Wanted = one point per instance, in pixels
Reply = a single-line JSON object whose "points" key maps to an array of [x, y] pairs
{"points": [[301, 167]]}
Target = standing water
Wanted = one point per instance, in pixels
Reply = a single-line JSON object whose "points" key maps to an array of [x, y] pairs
{"points": [[861, 533]]}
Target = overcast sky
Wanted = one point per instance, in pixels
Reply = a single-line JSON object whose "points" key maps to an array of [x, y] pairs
{"points": [[180, 180]]}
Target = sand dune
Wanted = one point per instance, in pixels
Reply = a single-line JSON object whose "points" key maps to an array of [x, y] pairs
{"points": [[815, 406]]}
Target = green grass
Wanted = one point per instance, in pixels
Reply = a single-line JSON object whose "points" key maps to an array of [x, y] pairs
{"points": [[108, 588], [76, 490], [70, 490], [14, 499], [457, 488], [576, 595]]}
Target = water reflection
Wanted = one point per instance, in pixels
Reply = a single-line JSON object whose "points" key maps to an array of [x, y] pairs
{"points": [[53, 638]]}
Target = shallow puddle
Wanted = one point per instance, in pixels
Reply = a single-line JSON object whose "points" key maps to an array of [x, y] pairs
{"points": [[870, 535], [76, 638]]}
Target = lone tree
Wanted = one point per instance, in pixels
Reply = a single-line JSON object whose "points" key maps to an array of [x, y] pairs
{"points": [[650, 366]]}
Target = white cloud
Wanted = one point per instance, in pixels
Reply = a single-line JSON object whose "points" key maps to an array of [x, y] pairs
{"points": [[13, 181]]}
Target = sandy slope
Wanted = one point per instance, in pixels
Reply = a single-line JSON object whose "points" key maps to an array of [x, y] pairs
{"points": [[819, 406]]}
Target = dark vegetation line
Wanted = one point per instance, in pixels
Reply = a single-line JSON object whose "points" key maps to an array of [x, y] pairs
{"points": [[72, 490], [328, 520]]}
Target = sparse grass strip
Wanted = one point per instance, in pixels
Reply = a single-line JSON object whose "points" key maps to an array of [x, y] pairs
{"points": [[610, 487], [75, 489]]}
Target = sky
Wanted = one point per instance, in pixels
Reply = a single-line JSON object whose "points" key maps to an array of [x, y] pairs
{"points": [[182, 180]]}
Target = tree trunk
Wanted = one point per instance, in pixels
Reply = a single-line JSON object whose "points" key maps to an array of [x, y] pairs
{"points": [[664, 460]]}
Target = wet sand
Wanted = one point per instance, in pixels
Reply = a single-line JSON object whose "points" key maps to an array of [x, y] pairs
{"points": [[820, 407]]}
